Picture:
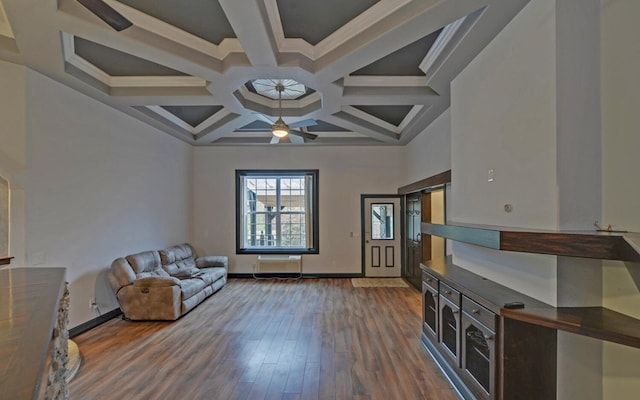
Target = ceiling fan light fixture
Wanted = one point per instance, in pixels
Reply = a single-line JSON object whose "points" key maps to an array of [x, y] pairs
{"points": [[280, 129]]}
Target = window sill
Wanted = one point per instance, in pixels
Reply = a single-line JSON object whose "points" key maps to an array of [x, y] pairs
{"points": [[277, 251]]}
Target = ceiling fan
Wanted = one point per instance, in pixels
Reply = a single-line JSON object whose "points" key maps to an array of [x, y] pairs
{"points": [[106, 13], [281, 130]]}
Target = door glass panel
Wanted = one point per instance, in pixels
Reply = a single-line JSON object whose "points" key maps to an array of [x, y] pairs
{"points": [[477, 355], [449, 329], [382, 221]]}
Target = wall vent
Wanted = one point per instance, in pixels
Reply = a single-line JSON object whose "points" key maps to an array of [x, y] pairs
{"points": [[279, 263]]}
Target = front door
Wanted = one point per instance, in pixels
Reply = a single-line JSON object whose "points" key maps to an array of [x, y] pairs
{"points": [[381, 235]]}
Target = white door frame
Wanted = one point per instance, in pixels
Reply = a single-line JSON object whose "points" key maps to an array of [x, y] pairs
{"points": [[399, 233]]}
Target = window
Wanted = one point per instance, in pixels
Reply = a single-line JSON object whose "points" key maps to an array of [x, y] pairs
{"points": [[277, 211]]}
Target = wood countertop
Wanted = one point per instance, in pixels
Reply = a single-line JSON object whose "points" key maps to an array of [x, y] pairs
{"points": [[29, 300]]}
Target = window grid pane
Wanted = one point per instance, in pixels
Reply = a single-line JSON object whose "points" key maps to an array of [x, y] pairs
{"points": [[274, 212]]}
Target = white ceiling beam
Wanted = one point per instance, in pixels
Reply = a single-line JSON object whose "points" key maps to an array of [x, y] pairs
{"points": [[249, 21]]}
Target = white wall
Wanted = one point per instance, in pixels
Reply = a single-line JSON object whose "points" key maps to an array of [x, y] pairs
{"points": [[621, 192], [429, 153], [13, 148], [345, 173], [503, 118], [97, 185]]}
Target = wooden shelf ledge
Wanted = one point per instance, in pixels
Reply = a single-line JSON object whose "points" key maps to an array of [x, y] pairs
{"points": [[5, 260], [589, 244], [596, 322]]}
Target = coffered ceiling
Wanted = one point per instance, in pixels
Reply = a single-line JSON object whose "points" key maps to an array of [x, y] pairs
{"points": [[365, 72]]}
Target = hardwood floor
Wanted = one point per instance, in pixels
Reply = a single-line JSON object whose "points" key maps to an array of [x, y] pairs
{"points": [[306, 339]]}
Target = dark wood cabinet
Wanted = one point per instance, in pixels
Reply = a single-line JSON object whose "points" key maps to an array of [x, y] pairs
{"points": [[450, 324], [478, 352], [430, 307], [485, 355]]}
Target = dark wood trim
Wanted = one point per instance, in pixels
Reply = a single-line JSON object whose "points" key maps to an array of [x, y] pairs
{"points": [[435, 180], [86, 326], [594, 244], [596, 322], [532, 359], [5, 260], [604, 247]]}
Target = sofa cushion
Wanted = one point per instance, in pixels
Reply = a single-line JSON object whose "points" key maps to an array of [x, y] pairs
{"points": [[210, 275], [147, 261], [179, 268], [156, 273], [212, 261], [187, 273], [191, 286], [176, 253]]}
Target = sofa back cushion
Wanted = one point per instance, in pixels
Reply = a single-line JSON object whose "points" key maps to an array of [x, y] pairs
{"points": [[179, 261], [147, 261], [178, 253]]}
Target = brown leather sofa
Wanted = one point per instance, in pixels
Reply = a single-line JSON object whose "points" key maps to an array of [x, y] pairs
{"points": [[165, 284]]}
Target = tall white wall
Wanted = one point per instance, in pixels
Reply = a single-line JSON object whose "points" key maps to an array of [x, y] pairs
{"points": [[13, 148], [503, 117], [344, 172], [429, 153], [621, 193], [97, 185]]}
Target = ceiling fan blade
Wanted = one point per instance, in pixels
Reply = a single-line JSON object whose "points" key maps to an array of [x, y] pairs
{"points": [[264, 118], [302, 124], [274, 140], [106, 13], [296, 139], [306, 135]]}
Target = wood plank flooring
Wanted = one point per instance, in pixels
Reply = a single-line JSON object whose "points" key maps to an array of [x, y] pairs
{"points": [[268, 339]]}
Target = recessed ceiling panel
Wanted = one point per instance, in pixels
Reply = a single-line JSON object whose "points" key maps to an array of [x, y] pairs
{"points": [[193, 115], [314, 20], [202, 18], [391, 114], [403, 62], [255, 126], [325, 127], [117, 63]]}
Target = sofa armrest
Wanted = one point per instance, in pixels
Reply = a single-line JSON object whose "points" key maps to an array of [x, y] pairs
{"points": [[156, 281], [213, 261]]}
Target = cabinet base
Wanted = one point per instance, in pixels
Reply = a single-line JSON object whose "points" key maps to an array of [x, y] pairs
{"points": [[448, 371]]}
